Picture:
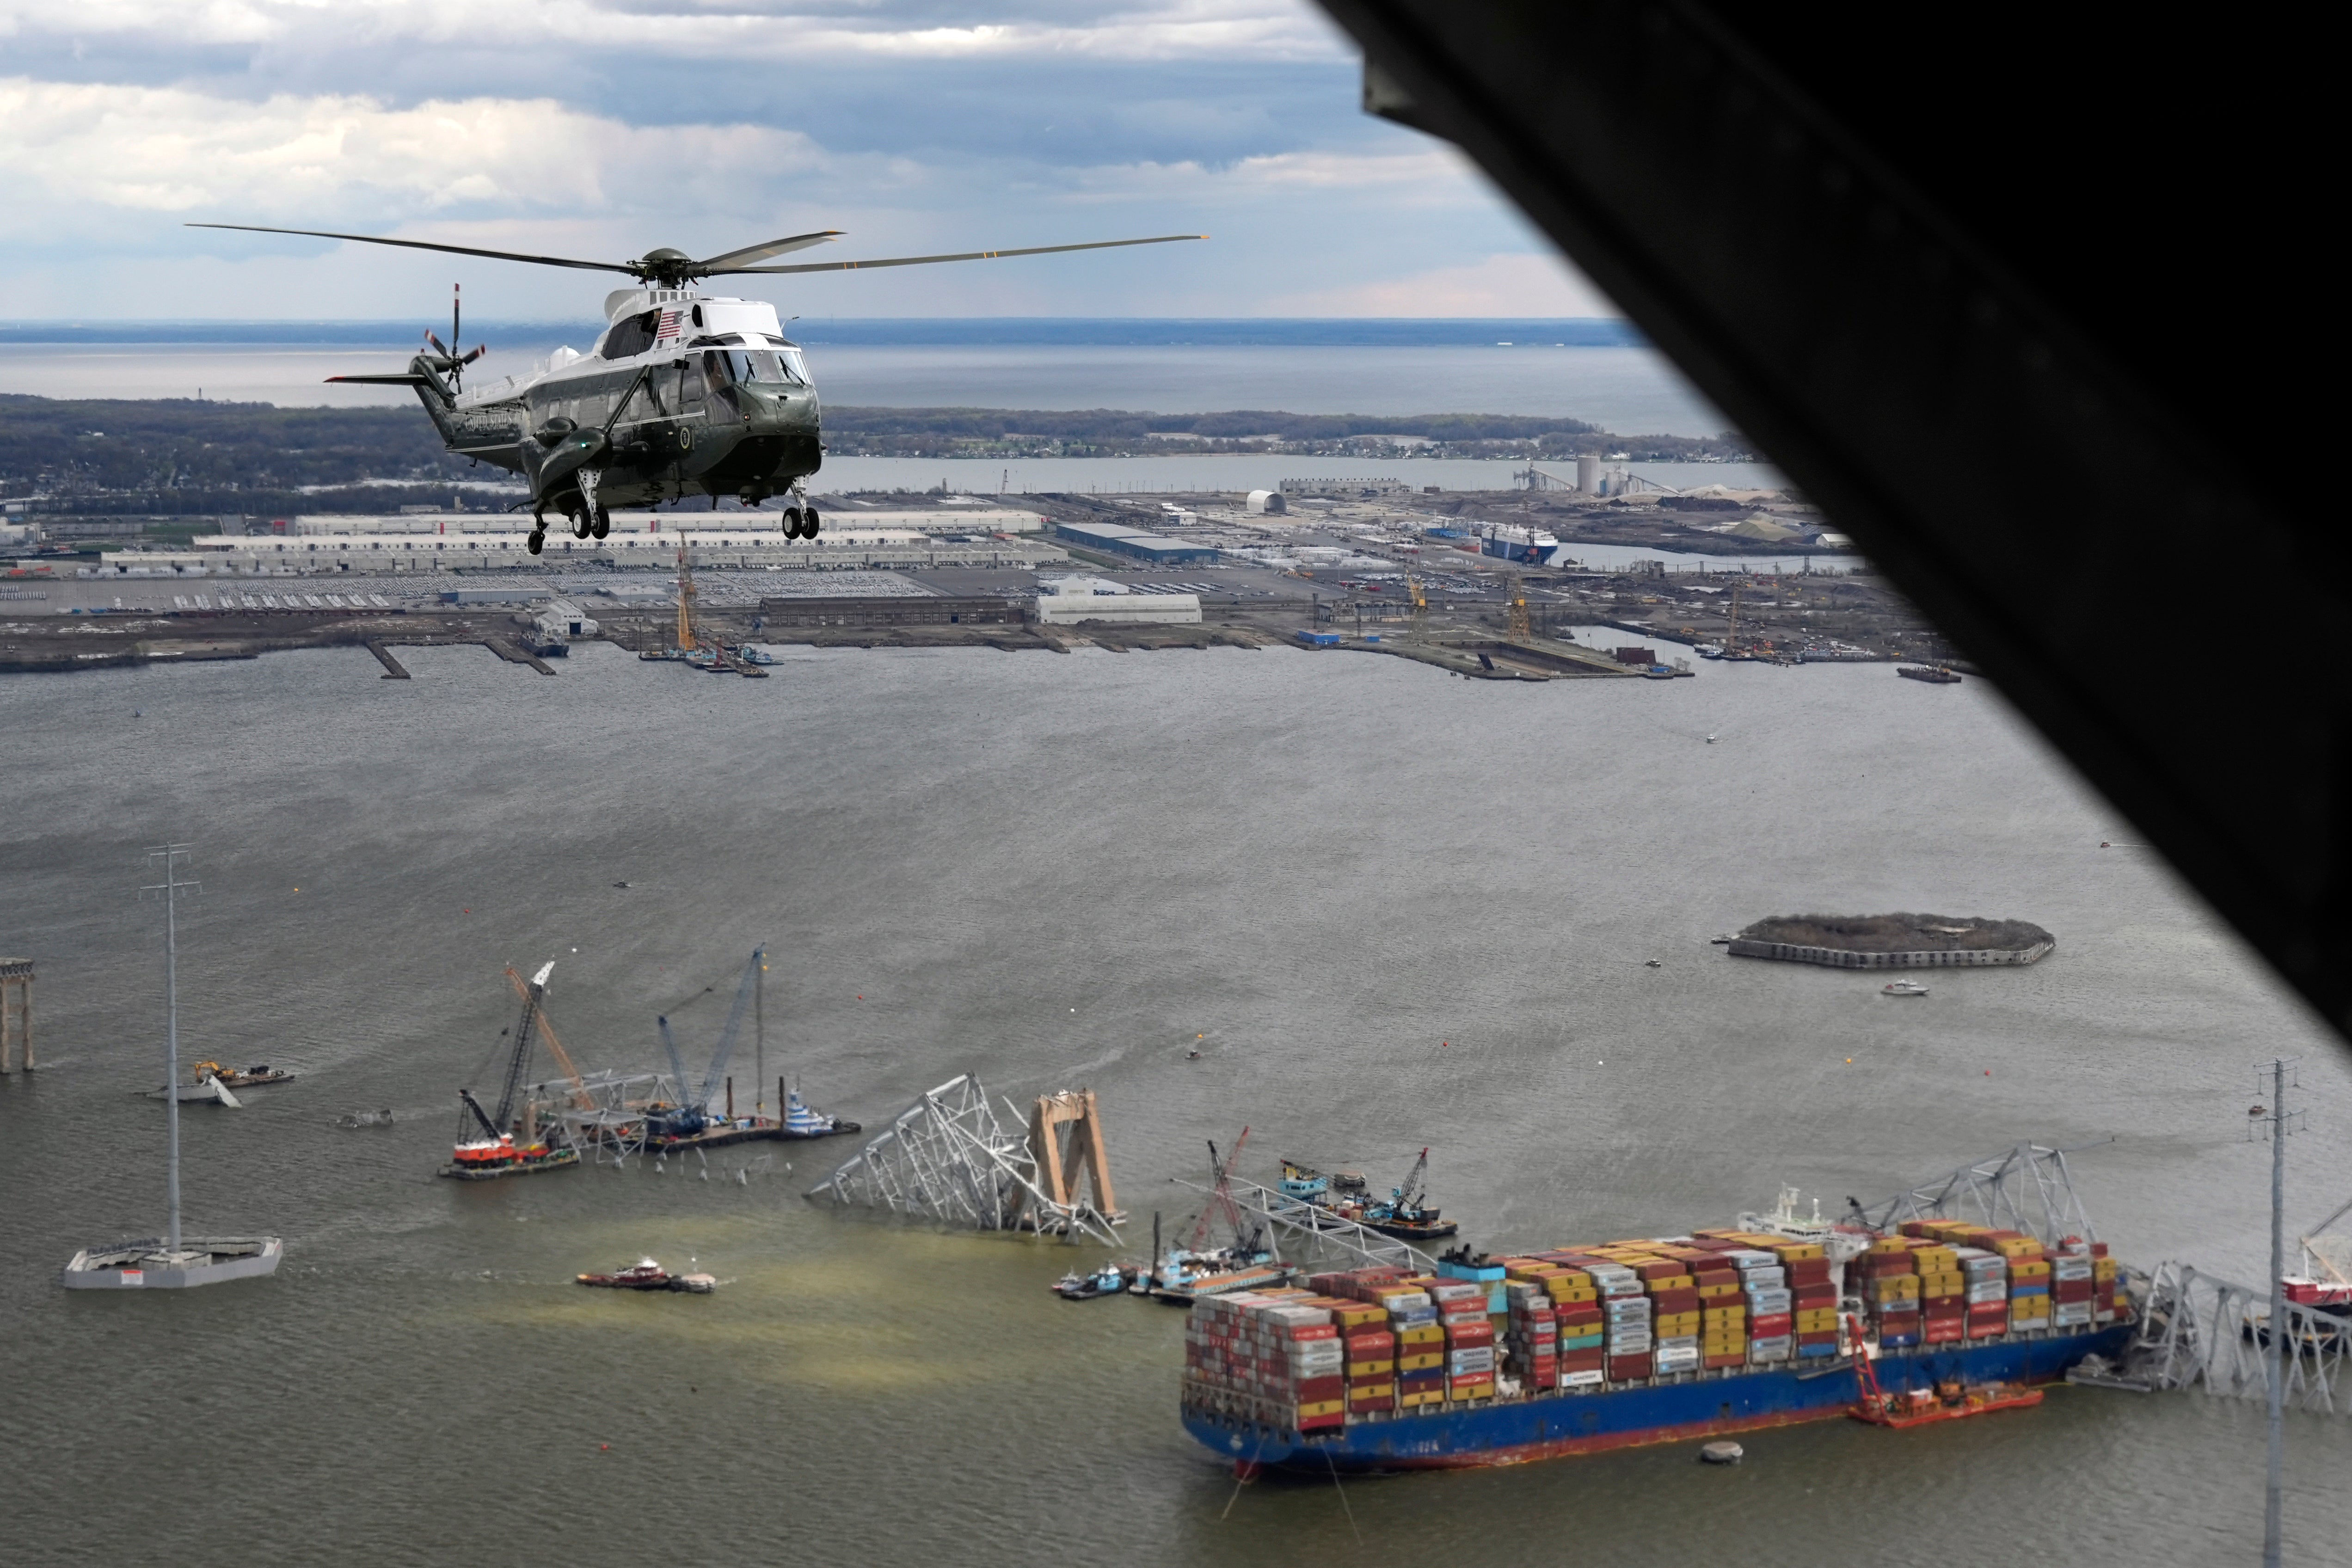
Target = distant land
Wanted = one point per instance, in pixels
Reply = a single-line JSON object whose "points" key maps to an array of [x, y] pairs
{"points": [[179, 456], [1076, 331]]}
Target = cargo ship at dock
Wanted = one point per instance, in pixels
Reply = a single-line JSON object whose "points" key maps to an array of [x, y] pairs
{"points": [[1582, 1350]]}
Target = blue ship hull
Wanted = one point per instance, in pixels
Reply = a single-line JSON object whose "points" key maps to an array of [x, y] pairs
{"points": [[1705, 1405]]}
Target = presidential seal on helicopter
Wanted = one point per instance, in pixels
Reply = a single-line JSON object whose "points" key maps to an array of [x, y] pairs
{"points": [[684, 394]]}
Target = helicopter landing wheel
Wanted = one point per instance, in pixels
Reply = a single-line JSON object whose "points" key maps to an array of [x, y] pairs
{"points": [[603, 525], [808, 522], [580, 525], [537, 540], [791, 522]]}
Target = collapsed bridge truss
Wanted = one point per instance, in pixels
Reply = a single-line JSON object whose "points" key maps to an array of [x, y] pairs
{"points": [[948, 1158]]}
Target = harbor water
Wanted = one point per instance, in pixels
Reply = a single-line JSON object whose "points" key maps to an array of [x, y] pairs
{"points": [[1388, 908]]}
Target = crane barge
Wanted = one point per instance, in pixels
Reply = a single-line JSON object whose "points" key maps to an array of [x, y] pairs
{"points": [[510, 1145]]}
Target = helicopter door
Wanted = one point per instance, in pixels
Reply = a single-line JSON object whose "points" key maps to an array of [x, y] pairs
{"points": [[715, 369]]}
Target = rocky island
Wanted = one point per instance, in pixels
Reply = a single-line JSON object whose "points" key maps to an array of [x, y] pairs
{"points": [[1893, 941]]}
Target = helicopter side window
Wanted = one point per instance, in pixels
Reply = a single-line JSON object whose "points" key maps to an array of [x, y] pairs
{"points": [[692, 388], [632, 337]]}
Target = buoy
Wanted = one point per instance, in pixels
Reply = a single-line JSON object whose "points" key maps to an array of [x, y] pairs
{"points": [[1722, 1454]]}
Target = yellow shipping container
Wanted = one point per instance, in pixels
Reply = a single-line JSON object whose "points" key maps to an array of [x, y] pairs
{"points": [[1895, 1288], [1935, 1259], [1668, 1325], [2018, 1247], [1366, 1368], [2103, 1269], [1714, 1315], [2030, 1269], [1322, 1407], [1574, 1295], [1817, 1320], [1421, 1363], [1372, 1391], [2026, 1308], [1891, 1243], [1736, 1346], [1707, 1292], [1932, 1286], [1422, 1334], [1411, 1400], [1670, 1282], [1356, 1314], [1797, 1251]]}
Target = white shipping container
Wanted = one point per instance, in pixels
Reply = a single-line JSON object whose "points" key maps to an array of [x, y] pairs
{"points": [[1581, 1379], [1678, 1343], [2072, 1314], [1760, 1302], [1676, 1360], [1994, 1291], [1772, 1279]]}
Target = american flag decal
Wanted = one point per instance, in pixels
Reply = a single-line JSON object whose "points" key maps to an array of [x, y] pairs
{"points": [[668, 328]]}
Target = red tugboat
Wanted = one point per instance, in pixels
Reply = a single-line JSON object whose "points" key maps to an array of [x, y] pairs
{"points": [[508, 1147], [648, 1275]]}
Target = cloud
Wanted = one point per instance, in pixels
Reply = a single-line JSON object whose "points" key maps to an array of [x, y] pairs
{"points": [[167, 152], [771, 32], [1508, 285]]}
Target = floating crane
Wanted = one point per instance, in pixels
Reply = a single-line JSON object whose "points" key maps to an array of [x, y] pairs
{"points": [[1220, 1197], [692, 1114], [507, 1147], [538, 1016], [1405, 1215]]}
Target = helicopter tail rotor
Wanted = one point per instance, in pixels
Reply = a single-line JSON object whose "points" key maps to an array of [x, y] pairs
{"points": [[447, 358]]}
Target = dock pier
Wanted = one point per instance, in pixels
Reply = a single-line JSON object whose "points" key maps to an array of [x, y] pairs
{"points": [[393, 670]]}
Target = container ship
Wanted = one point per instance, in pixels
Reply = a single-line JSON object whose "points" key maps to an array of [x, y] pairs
{"points": [[1583, 1349]]}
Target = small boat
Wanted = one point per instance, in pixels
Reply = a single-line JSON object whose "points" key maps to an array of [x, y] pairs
{"points": [[210, 1089], [1710, 737], [648, 1275], [1902, 988], [1111, 1279], [1934, 674], [1723, 938], [1948, 1400], [800, 1121], [1709, 651], [1652, 963], [242, 1078]]}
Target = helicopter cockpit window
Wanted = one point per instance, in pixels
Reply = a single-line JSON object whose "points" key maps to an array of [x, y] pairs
{"points": [[632, 336], [758, 367]]}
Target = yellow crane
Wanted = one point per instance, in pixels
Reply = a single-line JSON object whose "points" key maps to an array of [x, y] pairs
{"points": [[685, 643], [1420, 608], [1519, 629]]}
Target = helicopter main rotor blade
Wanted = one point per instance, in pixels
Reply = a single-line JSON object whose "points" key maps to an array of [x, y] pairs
{"points": [[965, 256], [428, 244], [750, 253]]}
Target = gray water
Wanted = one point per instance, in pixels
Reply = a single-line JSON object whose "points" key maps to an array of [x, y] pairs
{"points": [[1394, 910]]}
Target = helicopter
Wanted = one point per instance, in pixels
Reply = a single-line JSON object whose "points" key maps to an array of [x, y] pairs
{"points": [[684, 392]]}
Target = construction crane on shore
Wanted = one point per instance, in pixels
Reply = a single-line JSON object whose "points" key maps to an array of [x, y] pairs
{"points": [[685, 643], [692, 1114], [1519, 629], [1419, 613]]}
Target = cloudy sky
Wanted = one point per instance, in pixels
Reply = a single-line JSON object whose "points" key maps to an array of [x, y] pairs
{"points": [[605, 127]]}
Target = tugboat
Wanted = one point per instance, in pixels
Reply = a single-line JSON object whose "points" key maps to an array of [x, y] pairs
{"points": [[1902, 988], [1111, 1279], [508, 1147], [648, 1275]]}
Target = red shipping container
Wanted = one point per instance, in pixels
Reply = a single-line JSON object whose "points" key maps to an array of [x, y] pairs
{"points": [[1988, 1328], [2071, 1289], [1944, 1307], [1809, 1271], [1582, 1360], [1770, 1325], [1827, 1337], [1330, 1423], [1665, 1269], [1718, 1276], [1315, 1390], [1306, 1331], [1623, 1367], [1684, 1300], [1461, 1336], [1371, 1344], [1941, 1330], [1734, 1358], [1812, 1298]]}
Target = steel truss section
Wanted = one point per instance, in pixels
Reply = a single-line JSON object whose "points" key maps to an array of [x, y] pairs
{"points": [[2201, 1329], [2028, 1189], [1314, 1234], [948, 1158], [606, 1116]]}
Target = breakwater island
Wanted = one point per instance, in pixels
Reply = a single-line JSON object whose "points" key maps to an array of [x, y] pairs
{"points": [[1894, 941]]}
